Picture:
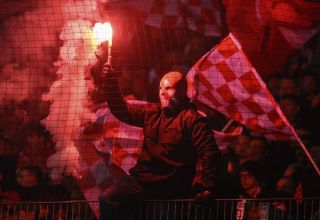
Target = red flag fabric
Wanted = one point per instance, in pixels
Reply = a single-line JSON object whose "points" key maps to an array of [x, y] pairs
{"points": [[198, 15], [225, 80], [108, 148], [270, 31]]}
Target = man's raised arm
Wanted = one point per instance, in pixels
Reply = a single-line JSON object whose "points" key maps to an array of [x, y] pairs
{"points": [[123, 111]]}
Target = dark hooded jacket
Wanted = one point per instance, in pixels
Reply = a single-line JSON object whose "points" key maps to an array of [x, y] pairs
{"points": [[173, 140]]}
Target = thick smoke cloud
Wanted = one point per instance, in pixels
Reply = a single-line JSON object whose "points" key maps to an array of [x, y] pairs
{"points": [[46, 53], [29, 46], [69, 96]]}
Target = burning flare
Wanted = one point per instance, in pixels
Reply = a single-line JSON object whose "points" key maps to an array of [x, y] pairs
{"points": [[103, 32]]}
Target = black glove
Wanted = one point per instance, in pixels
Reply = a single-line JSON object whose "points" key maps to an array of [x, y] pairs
{"points": [[204, 197]]}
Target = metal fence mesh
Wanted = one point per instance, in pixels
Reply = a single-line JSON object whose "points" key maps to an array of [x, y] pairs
{"points": [[245, 209]]}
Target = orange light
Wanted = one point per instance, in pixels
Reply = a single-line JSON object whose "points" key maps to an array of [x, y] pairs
{"points": [[103, 32]]}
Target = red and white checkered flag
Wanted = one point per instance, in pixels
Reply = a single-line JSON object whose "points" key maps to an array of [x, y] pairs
{"points": [[108, 148], [202, 16], [225, 80]]}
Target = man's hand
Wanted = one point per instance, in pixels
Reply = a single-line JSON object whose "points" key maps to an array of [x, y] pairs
{"points": [[106, 70], [204, 197]]}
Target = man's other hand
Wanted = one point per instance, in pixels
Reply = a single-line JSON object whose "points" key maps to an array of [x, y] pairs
{"points": [[204, 197]]}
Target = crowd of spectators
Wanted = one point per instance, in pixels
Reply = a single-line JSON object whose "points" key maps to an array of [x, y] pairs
{"points": [[24, 177], [254, 166]]}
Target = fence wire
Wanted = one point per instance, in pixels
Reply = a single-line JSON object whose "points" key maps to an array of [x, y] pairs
{"points": [[220, 209]]}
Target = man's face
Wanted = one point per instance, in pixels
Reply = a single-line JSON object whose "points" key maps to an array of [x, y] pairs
{"points": [[241, 145], [170, 93], [287, 86], [289, 108], [247, 180], [27, 179], [309, 85], [257, 150]]}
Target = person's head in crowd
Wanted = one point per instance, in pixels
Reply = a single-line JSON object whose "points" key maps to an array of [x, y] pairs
{"points": [[29, 176], [296, 64], [303, 57], [22, 116], [310, 83], [38, 137], [292, 66], [38, 147], [258, 149], [310, 86], [251, 178], [290, 106], [293, 110], [288, 86], [172, 90], [241, 145]]}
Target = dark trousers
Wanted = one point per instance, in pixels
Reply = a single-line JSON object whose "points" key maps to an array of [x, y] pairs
{"points": [[128, 190]]}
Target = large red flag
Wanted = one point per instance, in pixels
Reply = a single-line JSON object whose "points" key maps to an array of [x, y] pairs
{"points": [[108, 148], [225, 80], [198, 15]]}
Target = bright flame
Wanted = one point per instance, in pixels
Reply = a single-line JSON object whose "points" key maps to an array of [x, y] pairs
{"points": [[103, 32]]}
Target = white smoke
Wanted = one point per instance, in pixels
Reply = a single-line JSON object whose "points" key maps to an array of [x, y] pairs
{"points": [[46, 45], [29, 43], [28, 49], [69, 94]]}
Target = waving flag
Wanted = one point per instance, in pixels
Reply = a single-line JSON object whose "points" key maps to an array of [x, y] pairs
{"points": [[270, 31], [108, 149], [225, 80], [198, 15]]}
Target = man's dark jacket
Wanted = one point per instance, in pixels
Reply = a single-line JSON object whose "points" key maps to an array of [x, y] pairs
{"points": [[173, 140]]}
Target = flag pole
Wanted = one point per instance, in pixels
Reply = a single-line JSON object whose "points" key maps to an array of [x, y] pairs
{"points": [[227, 126]]}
